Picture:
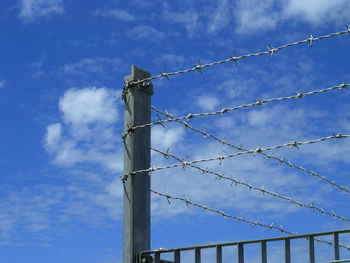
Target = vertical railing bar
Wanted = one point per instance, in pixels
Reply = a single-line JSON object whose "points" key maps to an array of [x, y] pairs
{"points": [[197, 255], [219, 254], [263, 252], [336, 246], [240, 253], [311, 249], [177, 256], [156, 257], [287, 250]]}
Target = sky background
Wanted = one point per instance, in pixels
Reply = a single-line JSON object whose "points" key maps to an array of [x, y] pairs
{"points": [[62, 67]]}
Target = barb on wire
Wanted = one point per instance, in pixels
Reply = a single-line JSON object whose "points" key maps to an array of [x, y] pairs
{"points": [[310, 39], [238, 219], [226, 110], [252, 187], [235, 58], [222, 157], [274, 50]]}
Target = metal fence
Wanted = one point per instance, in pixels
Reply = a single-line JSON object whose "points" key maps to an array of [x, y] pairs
{"points": [[156, 255]]}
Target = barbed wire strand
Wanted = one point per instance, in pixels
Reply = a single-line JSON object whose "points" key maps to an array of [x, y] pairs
{"points": [[270, 51], [268, 156], [226, 110], [223, 157], [239, 219], [252, 187]]}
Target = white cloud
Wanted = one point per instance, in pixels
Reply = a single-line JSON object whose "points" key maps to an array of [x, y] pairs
{"points": [[87, 133], [31, 9], [118, 14], [207, 102], [80, 107], [254, 15]]}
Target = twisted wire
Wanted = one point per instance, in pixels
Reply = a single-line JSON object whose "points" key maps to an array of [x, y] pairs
{"points": [[271, 51], [252, 187], [226, 110], [268, 156], [239, 219], [223, 157]]}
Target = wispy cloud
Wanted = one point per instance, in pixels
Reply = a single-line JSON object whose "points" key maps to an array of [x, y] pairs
{"points": [[49, 209], [221, 17], [90, 65], [250, 16], [118, 14], [207, 102], [164, 138], [254, 15], [32, 9], [189, 19], [318, 12], [145, 32], [2, 83]]}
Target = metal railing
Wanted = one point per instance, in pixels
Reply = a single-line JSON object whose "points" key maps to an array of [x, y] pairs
{"points": [[155, 255]]}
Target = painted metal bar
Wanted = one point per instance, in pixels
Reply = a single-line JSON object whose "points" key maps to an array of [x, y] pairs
{"points": [[287, 250], [218, 254], [263, 252], [157, 257], [336, 246], [338, 261], [177, 257], [240, 253], [311, 249], [197, 255]]}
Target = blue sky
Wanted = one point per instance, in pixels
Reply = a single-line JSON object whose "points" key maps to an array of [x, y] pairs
{"points": [[61, 154]]}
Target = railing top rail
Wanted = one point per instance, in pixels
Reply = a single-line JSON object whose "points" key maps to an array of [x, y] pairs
{"points": [[338, 261], [248, 241]]}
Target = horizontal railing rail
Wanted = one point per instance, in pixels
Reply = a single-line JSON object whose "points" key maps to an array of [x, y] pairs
{"points": [[155, 255]]}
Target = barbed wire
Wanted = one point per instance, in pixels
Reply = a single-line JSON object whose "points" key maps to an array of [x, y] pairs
{"points": [[225, 215], [239, 219], [268, 156], [252, 187], [226, 110], [270, 51], [220, 158]]}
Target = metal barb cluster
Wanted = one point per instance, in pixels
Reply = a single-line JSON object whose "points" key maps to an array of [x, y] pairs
{"points": [[128, 85], [226, 110], [270, 51], [259, 149], [252, 187], [268, 156]]}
